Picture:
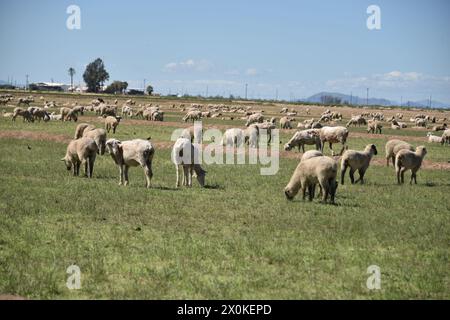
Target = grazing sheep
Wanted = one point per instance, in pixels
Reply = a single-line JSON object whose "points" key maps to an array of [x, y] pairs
{"points": [[406, 159], [317, 170], [79, 151], [356, 120], [99, 136], [132, 153], [185, 154], [27, 116], [433, 139], [357, 160], [81, 128], [41, 114], [300, 138], [311, 154], [333, 135], [285, 123], [192, 116], [254, 118], [374, 126], [193, 134], [393, 147], [111, 123], [446, 137]]}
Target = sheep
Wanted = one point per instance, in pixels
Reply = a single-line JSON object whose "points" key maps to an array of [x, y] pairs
{"points": [[185, 154], [132, 153], [111, 123], [266, 126], [193, 133], [333, 135], [79, 109], [27, 116], [311, 154], [64, 112], [300, 138], [406, 159], [251, 135], [309, 172], [79, 151], [233, 137], [433, 139], [357, 160], [99, 136], [393, 147], [192, 116], [440, 127], [421, 123], [446, 137], [81, 128], [285, 123], [254, 118], [373, 126], [356, 120]]}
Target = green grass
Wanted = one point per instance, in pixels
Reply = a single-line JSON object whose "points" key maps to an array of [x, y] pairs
{"points": [[239, 238]]}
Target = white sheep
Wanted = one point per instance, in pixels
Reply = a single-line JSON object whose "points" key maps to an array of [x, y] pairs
{"points": [[393, 147], [317, 170], [81, 128], [357, 160], [79, 151], [185, 155], [99, 136], [446, 137], [333, 135], [233, 137], [132, 153], [300, 138], [254, 118], [433, 139], [406, 159]]}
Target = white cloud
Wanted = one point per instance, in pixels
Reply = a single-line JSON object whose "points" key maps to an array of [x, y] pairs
{"points": [[251, 72], [190, 65]]}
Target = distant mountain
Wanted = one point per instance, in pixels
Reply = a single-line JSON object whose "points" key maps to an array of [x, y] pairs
{"points": [[334, 97]]}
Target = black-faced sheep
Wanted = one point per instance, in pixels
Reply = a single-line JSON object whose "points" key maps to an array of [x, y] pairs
{"points": [[357, 160], [406, 159], [393, 147]]}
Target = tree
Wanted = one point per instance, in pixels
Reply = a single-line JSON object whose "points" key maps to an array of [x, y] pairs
{"points": [[117, 87], [95, 75], [71, 74], [149, 90]]}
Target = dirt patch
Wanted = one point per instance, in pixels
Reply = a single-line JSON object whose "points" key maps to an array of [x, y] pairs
{"points": [[34, 135], [386, 136]]}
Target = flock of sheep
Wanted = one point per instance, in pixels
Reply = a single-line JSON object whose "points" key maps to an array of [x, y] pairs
{"points": [[314, 168]]}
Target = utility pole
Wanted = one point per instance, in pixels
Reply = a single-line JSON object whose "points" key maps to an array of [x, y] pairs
{"points": [[26, 83], [430, 102], [144, 85], [351, 98], [246, 87], [207, 89], [276, 95], [401, 101], [367, 98]]}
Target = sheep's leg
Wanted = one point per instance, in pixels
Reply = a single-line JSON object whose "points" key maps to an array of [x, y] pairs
{"points": [[148, 174], [333, 187], [78, 167], [178, 176], [125, 173], [343, 171], [361, 175], [74, 169], [342, 150], [331, 148], [311, 192], [121, 175], [91, 166], [402, 174], [86, 168], [304, 191], [387, 161], [393, 160], [352, 175], [190, 173]]}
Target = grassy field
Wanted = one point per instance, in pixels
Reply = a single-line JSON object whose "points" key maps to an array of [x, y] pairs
{"points": [[238, 238]]}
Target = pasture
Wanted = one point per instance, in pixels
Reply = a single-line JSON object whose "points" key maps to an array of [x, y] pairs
{"points": [[237, 238]]}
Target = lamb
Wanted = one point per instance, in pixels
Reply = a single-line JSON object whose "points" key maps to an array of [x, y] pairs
{"points": [[309, 172], [254, 118], [81, 128], [333, 135], [393, 147], [357, 160], [440, 127], [433, 139], [132, 153], [300, 138], [79, 151], [99, 136], [251, 135], [374, 126], [185, 154], [406, 159], [446, 137], [111, 123]]}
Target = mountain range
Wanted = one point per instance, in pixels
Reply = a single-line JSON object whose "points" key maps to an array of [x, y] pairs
{"points": [[348, 99]]}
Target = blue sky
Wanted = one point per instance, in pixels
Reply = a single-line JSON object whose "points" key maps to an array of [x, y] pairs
{"points": [[297, 48]]}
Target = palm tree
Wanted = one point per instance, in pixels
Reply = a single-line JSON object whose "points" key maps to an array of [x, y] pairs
{"points": [[71, 74]]}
